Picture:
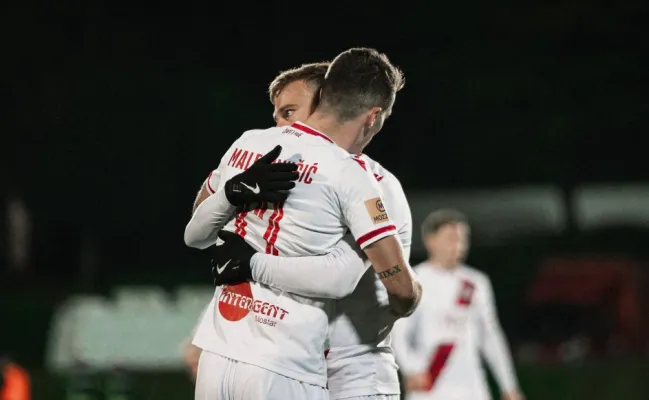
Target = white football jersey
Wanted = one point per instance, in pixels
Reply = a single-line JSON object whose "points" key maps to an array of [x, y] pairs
{"points": [[447, 333], [267, 327], [360, 361]]}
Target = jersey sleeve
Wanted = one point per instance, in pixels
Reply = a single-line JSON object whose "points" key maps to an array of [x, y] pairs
{"points": [[213, 180], [333, 275], [399, 211], [362, 205], [213, 213], [494, 345]]}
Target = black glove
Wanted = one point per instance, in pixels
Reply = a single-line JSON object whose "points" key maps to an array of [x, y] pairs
{"points": [[263, 181], [231, 262]]}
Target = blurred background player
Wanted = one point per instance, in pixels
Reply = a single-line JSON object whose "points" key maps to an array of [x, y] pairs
{"points": [[438, 348]]}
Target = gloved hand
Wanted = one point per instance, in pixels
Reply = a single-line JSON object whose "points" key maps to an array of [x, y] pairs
{"points": [[263, 181], [231, 260]]}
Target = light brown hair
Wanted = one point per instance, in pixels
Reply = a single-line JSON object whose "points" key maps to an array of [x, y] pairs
{"points": [[313, 74]]}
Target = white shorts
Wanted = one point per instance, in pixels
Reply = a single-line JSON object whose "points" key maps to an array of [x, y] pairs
{"points": [[221, 378]]}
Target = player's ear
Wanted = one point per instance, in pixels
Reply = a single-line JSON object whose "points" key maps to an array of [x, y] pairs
{"points": [[373, 116], [315, 102]]}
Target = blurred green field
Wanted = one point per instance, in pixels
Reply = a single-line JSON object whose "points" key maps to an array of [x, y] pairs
{"points": [[606, 381]]}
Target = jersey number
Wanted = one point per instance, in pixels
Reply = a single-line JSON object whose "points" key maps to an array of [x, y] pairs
{"points": [[270, 236]]}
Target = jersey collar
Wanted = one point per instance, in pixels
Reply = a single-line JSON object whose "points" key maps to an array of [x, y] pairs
{"points": [[308, 130]]}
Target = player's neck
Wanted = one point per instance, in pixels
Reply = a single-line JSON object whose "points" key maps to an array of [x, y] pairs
{"points": [[344, 135], [447, 265]]}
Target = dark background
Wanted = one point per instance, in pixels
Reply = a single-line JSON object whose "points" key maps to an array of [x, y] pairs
{"points": [[116, 113]]}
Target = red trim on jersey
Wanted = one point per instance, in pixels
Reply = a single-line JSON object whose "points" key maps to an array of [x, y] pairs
{"points": [[363, 164], [270, 236], [261, 210], [360, 162], [311, 131], [240, 224], [374, 233], [273, 238], [439, 361], [207, 182]]}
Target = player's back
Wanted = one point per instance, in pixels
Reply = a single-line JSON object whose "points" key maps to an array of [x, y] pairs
{"points": [[264, 326], [360, 361], [309, 222]]}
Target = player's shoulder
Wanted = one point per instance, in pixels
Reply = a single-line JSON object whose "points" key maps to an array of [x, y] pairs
{"points": [[379, 171], [476, 274], [255, 133], [422, 267], [351, 167]]}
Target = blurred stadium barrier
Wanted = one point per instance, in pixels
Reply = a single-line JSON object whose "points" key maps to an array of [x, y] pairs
{"points": [[139, 328]]}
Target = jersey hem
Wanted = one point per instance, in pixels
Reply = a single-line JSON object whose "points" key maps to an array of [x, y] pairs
{"points": [[374, 390], [260, 362]]}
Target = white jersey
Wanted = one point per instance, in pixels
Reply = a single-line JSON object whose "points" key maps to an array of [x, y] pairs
{"points": [[455, 322], [267, 327], [360, 361]]}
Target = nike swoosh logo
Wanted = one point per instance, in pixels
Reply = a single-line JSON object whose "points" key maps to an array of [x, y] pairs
{"points": [[220, 268], [255, 189]]}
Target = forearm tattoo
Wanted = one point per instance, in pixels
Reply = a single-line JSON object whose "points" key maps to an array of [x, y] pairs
{"points": [[389, 272]]}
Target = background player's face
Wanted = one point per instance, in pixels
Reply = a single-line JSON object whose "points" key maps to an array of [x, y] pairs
{"points": [[293, 103], [449, 245]]}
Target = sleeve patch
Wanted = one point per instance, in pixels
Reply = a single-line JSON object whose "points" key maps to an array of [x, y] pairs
{"points": [[376, 210]]}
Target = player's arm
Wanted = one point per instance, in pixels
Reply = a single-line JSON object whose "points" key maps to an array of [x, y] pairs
{"points": [[208, 188], [333, 275], [336, 274], [273, 181], [374, 232], [494, 345], [212, 211], [390, 265], [401, 216], [201, 196]]}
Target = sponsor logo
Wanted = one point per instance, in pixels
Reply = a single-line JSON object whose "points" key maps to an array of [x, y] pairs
{"points": [[379, 205], [289, 131], [255, 189], [465, 296], [236, 302], [220, 269], [376, 210]]}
